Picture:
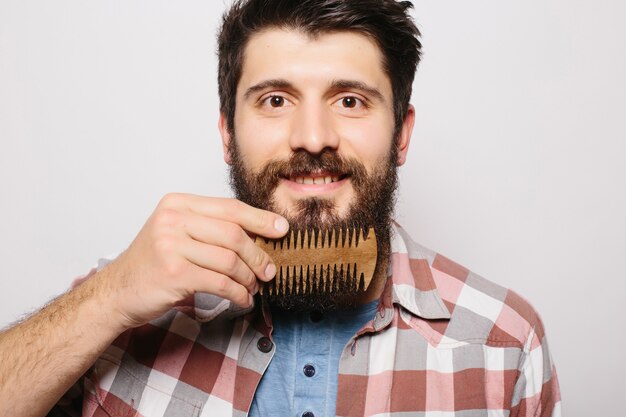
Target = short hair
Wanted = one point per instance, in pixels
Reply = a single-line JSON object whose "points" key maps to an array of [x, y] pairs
{"points": [[387, 22]]}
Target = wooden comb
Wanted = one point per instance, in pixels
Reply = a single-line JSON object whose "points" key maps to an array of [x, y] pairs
{"points": [[312, 261]]}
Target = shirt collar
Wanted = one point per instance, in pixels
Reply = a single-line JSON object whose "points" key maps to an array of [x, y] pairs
{"points": [[410, 283]]}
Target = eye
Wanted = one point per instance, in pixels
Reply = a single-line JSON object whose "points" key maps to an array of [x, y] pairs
{"points": [[351, 102], [275, 101]]}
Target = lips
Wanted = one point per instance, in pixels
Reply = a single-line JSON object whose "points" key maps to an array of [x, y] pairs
{"points": [[305, 173], [316, 178]]}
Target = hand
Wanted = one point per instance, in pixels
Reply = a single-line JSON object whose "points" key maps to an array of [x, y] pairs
{"points": [[191, 244]]}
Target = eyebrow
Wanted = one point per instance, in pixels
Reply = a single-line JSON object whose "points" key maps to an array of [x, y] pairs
{"points": [[275, 83], [358, 85], [335, 85]]}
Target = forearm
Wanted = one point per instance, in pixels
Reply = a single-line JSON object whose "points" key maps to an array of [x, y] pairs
{"points": [[43, 356], [190, 244]]}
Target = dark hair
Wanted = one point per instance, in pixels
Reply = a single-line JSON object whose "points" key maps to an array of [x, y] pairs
{"points": [[385, 21]]}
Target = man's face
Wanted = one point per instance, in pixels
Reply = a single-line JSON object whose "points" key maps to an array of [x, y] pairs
{"points": [[313, 130]]}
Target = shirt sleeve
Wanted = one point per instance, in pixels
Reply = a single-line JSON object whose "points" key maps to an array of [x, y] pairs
{"points": [[536, 393]]}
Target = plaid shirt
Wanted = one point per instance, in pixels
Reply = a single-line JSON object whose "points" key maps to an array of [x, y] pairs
{"points": [[444, 343]]}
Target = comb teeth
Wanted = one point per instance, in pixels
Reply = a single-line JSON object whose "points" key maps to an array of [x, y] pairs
{"points": [[313, 261], [318, 238], [326, 278]]}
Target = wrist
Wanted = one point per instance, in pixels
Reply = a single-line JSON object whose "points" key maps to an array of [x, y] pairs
{"points": [[100, 304]]}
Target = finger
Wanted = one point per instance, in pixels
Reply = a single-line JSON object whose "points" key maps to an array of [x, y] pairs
{"points": [[230, 236], [221, 260], [258, 221], [212, 282]]}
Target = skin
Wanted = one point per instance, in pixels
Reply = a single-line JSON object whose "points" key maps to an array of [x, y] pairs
{"points": [[314, 114], [194, 243], [303, 93]]}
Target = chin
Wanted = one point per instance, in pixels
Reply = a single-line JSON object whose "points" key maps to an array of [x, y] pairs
{"points": [[319, 208], [315, 211]]}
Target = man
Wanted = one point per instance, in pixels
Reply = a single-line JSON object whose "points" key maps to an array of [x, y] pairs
{"points": [[315, 118]]}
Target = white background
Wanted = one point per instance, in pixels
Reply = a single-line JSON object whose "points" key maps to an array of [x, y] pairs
{"points": [[516, 165]]}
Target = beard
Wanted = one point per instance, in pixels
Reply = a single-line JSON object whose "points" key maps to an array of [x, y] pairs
{"points": [[372, 206]]}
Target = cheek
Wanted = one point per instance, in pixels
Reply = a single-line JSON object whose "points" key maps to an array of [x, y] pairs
{"points": [[259, 140], [368, 140]]}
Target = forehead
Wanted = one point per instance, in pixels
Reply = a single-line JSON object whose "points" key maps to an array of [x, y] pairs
{"points": [[308, 60]]}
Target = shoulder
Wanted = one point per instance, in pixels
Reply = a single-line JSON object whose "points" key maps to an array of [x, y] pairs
{"points": [[481, 310]]}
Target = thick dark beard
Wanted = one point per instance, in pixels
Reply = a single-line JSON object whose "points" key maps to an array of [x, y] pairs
{"points": [[373, 206]]}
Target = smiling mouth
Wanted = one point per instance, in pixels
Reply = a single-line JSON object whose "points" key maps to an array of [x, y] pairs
{"points": [[316, 178]]}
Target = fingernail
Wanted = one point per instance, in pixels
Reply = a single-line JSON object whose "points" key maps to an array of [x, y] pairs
{"points": [[281, 225], [250, 300], [270, 271]]}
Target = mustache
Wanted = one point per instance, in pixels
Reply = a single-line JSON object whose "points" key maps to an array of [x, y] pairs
{"points": [[302, 163]]}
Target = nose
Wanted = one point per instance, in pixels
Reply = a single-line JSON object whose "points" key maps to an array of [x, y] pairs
{"points": [[312, 129]]}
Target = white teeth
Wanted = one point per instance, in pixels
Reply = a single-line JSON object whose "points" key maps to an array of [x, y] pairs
{"points": [[317, 180]]}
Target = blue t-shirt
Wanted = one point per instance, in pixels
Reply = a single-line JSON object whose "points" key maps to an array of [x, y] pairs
{"points": [[302, 376]]}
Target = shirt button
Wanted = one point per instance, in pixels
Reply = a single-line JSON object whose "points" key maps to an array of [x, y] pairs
{"points": [[308, 414], [309, 370], [264, 344]]}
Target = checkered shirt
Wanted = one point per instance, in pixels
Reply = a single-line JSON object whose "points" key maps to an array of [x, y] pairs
{"points": [[445, 342]]}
